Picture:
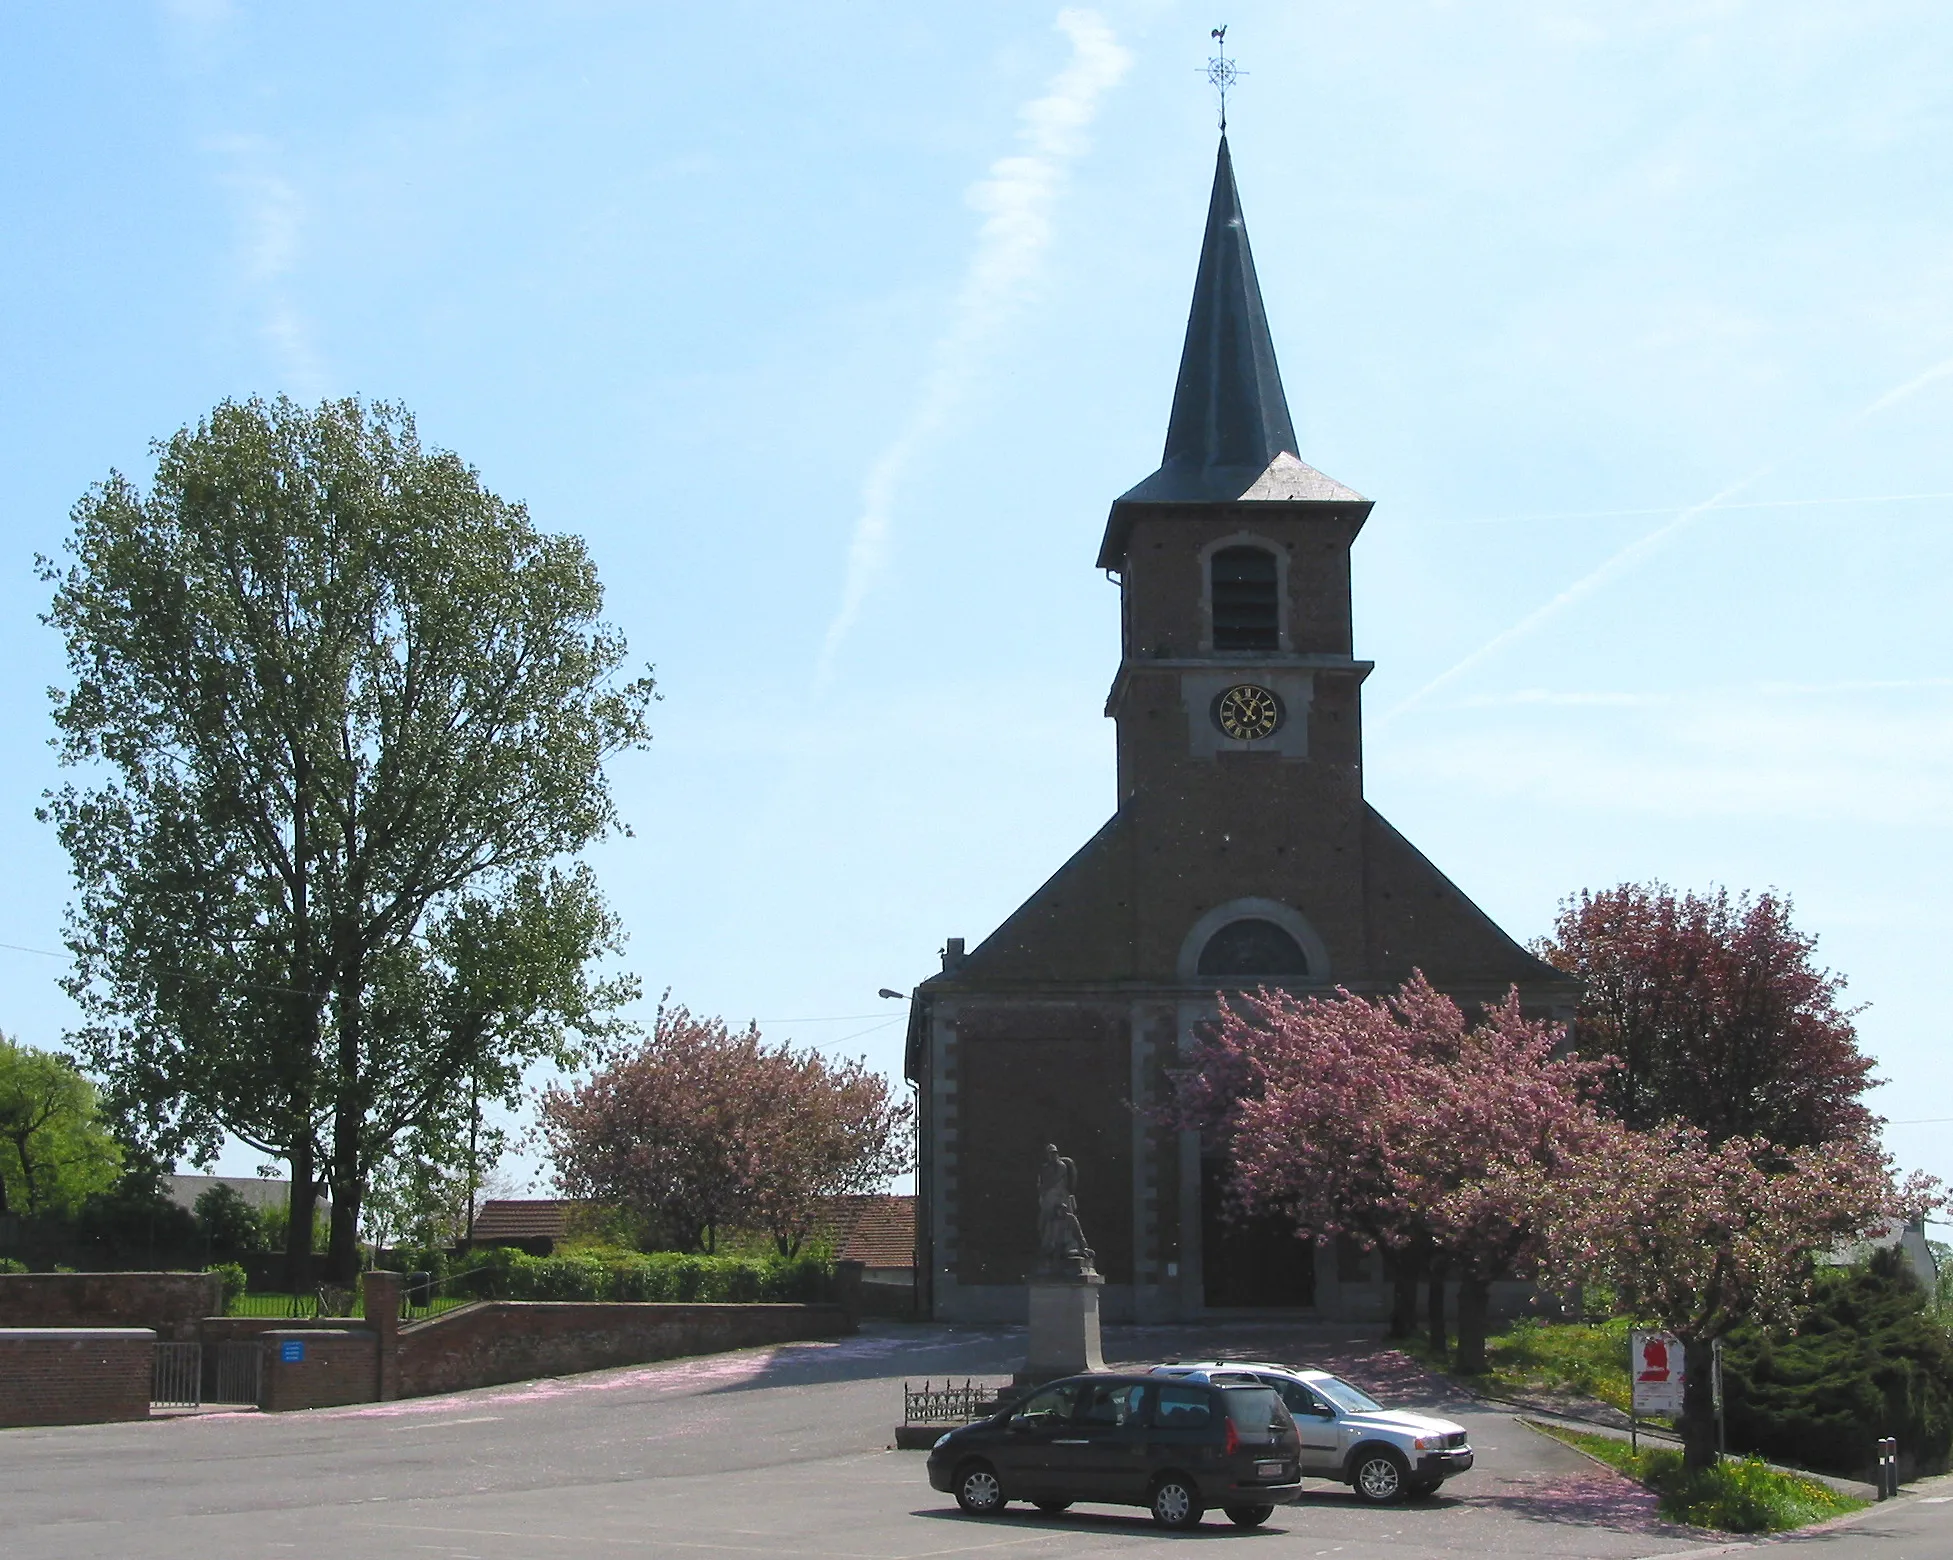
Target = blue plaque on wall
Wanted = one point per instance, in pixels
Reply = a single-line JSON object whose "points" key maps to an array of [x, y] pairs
{"points": [[292, 1351]]}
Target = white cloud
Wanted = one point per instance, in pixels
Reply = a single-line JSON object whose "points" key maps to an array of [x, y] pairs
{"points": [[270, 214], [1015, 198]]}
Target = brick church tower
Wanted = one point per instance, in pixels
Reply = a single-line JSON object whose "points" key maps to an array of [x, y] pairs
{"points": [[1242, 854]]}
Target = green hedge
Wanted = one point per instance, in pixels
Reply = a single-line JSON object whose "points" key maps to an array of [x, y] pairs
{"points": [[507, 1274], [1867, 1359], [234, 1280]]}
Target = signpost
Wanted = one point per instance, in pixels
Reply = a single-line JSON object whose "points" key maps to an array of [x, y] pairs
{"points": [[1655, 1374], [1656, 1371]]}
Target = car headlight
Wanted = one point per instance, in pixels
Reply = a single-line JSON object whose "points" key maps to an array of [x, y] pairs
{"points": [[1426, 1443], [941, 1441]]}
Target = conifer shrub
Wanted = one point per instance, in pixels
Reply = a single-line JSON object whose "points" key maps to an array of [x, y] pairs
{"points": [[1867, 1359]]}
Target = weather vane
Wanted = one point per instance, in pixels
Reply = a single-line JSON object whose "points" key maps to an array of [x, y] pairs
{"points": [[1221, 72]]}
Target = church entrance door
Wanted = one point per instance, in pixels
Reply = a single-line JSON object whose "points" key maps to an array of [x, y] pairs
{"points": [[1256, 1262]]}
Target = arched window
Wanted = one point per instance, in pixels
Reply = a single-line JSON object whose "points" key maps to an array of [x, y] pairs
{"points": [[1241, 590], [1252, 948]]}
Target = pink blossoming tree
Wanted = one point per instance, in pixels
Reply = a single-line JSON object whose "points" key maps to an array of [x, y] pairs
{"points": [[1700, 1236], [1397, 1123], [699, 1128]]}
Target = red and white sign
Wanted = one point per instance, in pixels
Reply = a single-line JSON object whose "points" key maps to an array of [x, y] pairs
{"points": [[1655, 1368]]}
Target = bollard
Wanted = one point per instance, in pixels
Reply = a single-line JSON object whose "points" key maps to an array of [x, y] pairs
{"points": [[1888, 1468]]}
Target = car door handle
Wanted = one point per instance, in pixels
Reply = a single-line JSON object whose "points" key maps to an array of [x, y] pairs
{"points": [[1072, 1441]]}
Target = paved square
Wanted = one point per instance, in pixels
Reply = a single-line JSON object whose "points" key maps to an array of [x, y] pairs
{"points": [[776, 1453]]}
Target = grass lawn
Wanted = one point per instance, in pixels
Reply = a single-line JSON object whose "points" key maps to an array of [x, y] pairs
{"points": [[1588, 1358], [1738, 1495]]}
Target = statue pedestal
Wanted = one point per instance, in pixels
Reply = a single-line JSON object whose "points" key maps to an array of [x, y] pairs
{"points": [[1064, 1326]]}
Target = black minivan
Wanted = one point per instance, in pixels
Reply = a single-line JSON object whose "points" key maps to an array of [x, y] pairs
{"points": [[1176, 1447]]}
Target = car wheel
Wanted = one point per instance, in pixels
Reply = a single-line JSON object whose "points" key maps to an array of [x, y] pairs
{"points": [[1052, 1507], [1176, 1503], [1249, 1516], [978, 1491], [1381, 1475]]}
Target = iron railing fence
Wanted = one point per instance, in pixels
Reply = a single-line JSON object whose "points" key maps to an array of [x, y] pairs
{"points": [[296, 1307], [949, 1404], [418, 1300]]}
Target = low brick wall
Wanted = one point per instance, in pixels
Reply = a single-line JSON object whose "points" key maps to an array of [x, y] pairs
{"points": [[75, 1376], [520, 1340], [172, 1305], [241, 1329], [323, 1367]]}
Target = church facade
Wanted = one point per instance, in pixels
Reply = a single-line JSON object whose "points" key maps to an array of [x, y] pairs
{"points": [[1242, 854]]}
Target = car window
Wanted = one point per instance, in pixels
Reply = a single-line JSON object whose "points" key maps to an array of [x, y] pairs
{"points": [[1049, 1406], [1256, 1408], [1301, 1400], [1352, 1400], [1181, 1407], [1111, 1403]]}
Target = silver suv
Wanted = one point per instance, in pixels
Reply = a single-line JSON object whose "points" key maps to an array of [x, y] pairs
{"points": [[1384, 1454]]}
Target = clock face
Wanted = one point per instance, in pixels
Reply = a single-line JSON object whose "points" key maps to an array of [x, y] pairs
{"points": [[1248, 712]]}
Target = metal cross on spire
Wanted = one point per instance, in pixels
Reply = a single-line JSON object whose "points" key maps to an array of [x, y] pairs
{"points": [[1221, 72]]}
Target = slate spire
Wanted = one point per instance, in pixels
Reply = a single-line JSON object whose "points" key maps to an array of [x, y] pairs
{"points": [[1228, 407], [1229, 437]]}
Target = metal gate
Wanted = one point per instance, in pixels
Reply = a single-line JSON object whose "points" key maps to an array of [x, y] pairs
{"points": [[234, 1373], [178, 1380], [189, 1375]]}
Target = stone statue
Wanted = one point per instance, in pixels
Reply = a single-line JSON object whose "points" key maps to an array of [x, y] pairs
{"points": [[1061, 1241]]}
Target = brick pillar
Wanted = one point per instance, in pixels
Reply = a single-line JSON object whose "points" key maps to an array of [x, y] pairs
{"points": [[382, 1296]]}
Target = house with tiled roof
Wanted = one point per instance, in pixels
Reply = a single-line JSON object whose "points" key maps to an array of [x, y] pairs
{"points": [[531, 1224], [876, 1230]]}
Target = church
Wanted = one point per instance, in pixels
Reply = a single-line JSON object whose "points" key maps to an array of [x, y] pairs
{"points": [[1242, 854]]}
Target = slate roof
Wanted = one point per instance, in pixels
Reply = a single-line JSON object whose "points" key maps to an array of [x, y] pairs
{"points": [[258, 1191], [1229, 438]]}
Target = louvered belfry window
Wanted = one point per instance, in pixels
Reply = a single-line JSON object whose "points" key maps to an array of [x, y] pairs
{"points": [[1242, 590]]}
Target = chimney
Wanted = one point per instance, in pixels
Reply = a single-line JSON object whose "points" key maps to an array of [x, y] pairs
{"points": [[952, 952]]}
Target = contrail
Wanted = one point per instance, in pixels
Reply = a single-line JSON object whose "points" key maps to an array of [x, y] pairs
{"points": [[1015, 198], [1637, 549], [1669, 509], [1911, 387], [1586, 585]]}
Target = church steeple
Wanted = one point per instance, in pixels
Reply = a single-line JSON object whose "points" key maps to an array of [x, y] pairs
{"points": [[1229, 438], [1229, 412]]}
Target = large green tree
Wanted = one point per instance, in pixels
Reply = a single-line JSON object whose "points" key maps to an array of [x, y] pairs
{"points": [[54, 1149], [343, 715]]}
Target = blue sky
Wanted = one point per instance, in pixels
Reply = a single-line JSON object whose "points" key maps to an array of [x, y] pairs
{"points": [[836, 328]]}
